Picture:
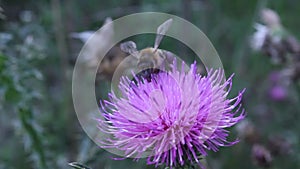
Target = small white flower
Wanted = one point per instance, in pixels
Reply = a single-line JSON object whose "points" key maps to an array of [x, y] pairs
{"points": [[259, 37], [83, 36]]}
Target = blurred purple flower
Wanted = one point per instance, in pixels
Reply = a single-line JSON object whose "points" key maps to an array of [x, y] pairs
{"points": [[278, 93], [261, 155], [278, 90], [175, 118]]}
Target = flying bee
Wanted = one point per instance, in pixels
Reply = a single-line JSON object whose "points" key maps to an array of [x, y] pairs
{"points": [[110, 62], [150, 60]]}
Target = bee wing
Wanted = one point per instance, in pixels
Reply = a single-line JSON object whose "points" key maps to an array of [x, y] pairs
{"points": [[129, 47], [169, 58], [161, 31]]}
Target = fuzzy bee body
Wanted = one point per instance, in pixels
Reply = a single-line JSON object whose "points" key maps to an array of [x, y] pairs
{"points": [[150, 57], [150, 60]]}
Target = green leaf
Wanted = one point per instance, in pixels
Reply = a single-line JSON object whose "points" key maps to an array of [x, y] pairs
{"points": [[12, 95], [77, 165], [3, 58], [25, 116]]}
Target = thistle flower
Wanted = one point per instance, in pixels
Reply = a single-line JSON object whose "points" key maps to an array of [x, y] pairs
{"points": [[261, 156], [278, 93], [278, 89], [174, 119], [273, 39]]}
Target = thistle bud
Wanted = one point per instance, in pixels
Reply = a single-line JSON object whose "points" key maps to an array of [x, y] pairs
{"points": [[270, 18], [261, 156]]}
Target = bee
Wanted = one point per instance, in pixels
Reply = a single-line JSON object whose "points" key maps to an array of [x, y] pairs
{"points": [[110, 62], [150, 60], [99, 41]]}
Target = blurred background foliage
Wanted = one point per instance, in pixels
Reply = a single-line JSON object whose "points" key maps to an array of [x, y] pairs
{"points": [[38, 125]]}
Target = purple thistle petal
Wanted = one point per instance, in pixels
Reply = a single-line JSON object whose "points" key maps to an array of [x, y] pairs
{"points": [[175, 117]]}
